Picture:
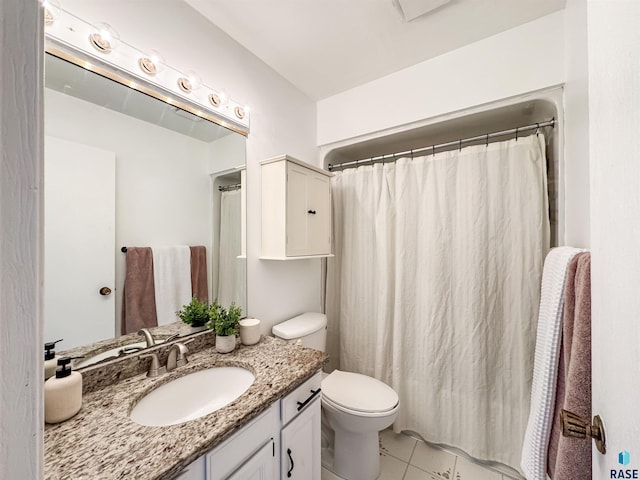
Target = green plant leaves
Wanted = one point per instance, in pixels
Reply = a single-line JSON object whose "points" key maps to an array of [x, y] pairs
{"points": [[223, 321], [195, 313], [215, 316]]}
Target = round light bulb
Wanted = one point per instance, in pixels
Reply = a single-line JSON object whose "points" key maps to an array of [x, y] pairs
{"points": [[52, 10], [240, 112], [103, 37], [151, 62], [190, 82], [194, 79]]}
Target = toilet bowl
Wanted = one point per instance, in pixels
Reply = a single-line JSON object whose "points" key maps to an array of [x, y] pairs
{"points": [[355, 407]]}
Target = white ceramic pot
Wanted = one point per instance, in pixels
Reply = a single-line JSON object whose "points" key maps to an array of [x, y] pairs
{"points": [[225, 343]]}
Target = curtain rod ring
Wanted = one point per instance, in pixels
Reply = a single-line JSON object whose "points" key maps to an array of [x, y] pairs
{"points": [[460, 145], [537, 129], [433, 150], [517, 129], [487, 142]]}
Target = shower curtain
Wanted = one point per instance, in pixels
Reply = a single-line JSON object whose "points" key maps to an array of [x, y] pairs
{"points": [[435, 285], [231, 268]]}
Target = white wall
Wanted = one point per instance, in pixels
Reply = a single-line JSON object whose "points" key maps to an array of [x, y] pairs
{"points": [[614, 143], [576, 126], [21, 135], [163, 189], [283, 120], [526, 58], [227, 153]]}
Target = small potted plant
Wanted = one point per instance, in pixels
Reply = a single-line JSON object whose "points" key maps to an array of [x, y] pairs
{"points": [[225, 325], [195, 313]]}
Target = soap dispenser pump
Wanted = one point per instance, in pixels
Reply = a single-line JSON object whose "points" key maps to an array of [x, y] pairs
{"points": [[50, 359], [62, 393]]}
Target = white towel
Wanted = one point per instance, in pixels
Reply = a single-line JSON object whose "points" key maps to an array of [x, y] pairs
{"points": [[545, 369], [172, 281]]}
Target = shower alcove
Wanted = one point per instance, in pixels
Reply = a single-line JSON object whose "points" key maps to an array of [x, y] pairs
{"points": [[481, 121]]}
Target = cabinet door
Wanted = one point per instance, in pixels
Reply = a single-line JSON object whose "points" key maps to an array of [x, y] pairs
{"points": [[298, 179], [300, 452], [194, 471], [234, 452], [319, 222], [261, 466], [308, 212]]}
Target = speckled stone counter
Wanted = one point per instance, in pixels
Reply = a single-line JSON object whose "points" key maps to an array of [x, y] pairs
{"points": [[102, 443]]}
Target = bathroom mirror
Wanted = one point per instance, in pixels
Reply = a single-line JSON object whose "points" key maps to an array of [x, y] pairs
{"points": [[124, 169]]}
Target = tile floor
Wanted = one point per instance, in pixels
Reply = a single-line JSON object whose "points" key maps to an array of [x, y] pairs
{"points": [[405, 458]]}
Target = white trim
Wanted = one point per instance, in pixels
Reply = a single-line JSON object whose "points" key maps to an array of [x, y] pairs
{"points": [[21, 164]]}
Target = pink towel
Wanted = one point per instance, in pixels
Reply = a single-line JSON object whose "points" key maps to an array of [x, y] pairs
{"points": [[199, 283], [138, 296], [570, 458]]}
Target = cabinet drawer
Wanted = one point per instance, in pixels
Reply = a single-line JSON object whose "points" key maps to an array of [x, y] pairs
{"points": [[229, 455], [294, 403]]}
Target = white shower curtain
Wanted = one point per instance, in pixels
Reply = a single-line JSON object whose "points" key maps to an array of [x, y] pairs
{"points": [[435, 287], [231, 268]]}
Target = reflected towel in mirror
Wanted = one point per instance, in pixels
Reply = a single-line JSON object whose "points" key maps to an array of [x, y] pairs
{"points": [[172, 280], [199, 283], [138, 297]]}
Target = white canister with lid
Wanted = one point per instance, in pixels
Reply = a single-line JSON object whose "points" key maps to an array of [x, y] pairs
{"points": [[249, 331]]}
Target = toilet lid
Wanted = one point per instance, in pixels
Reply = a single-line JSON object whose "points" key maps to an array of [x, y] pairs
{"points": [[358, 392]]}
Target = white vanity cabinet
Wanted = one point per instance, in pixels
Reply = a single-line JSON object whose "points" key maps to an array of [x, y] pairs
{"points": [[249, 454], [281, 443], [300, 436], [194, 471], [296, 209]]}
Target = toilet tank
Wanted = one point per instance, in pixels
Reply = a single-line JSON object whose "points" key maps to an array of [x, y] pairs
{"points": [[310, 328]]}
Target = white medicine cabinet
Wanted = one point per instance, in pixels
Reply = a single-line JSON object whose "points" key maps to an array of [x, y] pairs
{"points": [[296, 210]]}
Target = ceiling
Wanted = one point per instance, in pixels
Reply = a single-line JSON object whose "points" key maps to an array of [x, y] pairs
{"points": [[324, 47]]}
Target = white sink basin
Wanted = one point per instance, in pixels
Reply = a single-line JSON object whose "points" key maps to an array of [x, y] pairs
{"points": [[192, 396]]}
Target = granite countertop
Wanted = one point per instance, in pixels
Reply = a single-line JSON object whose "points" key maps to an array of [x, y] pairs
{"points": [[101, 442]]}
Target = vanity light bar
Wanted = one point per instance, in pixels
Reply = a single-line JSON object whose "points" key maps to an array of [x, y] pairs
{"points": [[75, 40]]}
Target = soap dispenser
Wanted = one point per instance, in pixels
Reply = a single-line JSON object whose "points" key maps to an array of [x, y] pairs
{"points": [[62, 393], [50, 359]]}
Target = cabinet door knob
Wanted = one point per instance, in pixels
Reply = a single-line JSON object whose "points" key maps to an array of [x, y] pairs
{"points": [[312, 212], [578, 427]]}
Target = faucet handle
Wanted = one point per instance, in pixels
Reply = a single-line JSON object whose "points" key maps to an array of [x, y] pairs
{"points": [[171, 337], [154, 369]]}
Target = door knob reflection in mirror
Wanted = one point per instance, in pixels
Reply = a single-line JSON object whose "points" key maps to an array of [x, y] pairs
{"points": [[105, 291], [578, 427]]}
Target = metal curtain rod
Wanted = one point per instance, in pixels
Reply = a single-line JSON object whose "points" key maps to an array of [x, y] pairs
{"points": [[228, 188], [433, 148]]}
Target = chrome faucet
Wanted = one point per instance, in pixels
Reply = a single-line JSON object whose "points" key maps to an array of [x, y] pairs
{"points": [[147, 337], [177, 356], [155, 369]]}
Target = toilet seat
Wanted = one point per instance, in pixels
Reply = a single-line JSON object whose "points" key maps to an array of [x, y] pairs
{"points": [[358, 394]]}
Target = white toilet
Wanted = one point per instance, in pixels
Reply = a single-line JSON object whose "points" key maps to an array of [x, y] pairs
{"points": [[356, 407]]}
